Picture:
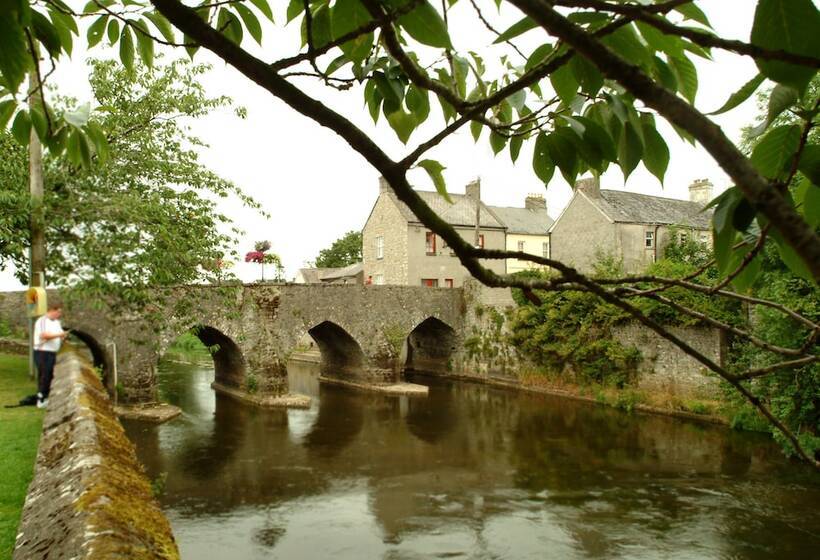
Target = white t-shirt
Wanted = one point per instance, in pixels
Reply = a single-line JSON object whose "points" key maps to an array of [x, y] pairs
{"points": [[50, 326]]}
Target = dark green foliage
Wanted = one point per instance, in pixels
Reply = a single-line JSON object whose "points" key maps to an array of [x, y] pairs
{"points": [[573, 329], [792, 394], [345, 251]]}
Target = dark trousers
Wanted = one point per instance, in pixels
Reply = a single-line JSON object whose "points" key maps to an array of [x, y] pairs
{"points": [[45, 370]]}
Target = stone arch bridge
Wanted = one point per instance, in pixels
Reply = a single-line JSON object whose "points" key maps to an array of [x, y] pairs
{"points": [[366, 334]]}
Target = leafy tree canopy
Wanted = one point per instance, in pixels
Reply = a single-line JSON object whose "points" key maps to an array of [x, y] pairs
{"points": [[145, 218], [344, 251]]}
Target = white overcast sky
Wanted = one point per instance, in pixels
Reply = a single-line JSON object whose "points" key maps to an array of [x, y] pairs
{"points": [[316, 188]]}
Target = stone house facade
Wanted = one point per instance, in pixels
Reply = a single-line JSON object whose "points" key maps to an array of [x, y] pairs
{"points": [[398, 249], [634, 228], [527, 231]]}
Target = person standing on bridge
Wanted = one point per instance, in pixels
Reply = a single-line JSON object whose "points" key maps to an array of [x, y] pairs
{"points": [[48, 336]]}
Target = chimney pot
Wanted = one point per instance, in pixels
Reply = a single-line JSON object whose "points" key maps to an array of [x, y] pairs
{"points": [[590, 186], [473, 189], [700, 191], [535, 202]]}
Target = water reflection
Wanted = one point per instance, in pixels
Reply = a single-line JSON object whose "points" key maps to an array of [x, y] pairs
{"points": [[469, 471]]}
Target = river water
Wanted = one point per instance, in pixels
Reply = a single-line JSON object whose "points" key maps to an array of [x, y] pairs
{"points": [[468, 472]]}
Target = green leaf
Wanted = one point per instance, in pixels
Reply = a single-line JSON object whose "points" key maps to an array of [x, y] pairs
{"points": [[497, 142], [630, 150], [162, 25], [434, 170], [46, 33], [113, 31], [807, 199], [264, 7], [741, 95], [691, 11], [625, 42], [65, 27], [402, 123], [789, 25], [390, 91], [14, 60], [656, 152], [251, 22], [295, 9], [347, 16], [127, 48], [518, 28], [96, 30], [538, 56], [475, 129], [809, 162], [587, 75], [21, 128], [231, 27], [562, 148], [564, 82], [659, 41], [542, 163], [781, 98], [418, 103], [515, 147], [792, 259], [145, 44], [597, 137], [7, 108], [775, 152], [98, 139], [743, 215], [687, 76], [79, 117], [744, 281], [39, 123], [424, 24], [665, 75]]}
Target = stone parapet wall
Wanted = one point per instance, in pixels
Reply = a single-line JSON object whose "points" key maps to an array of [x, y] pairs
{"points": [[665, 367], [89, 498]]}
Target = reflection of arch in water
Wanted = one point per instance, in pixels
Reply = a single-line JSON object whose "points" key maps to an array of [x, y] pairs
{"points": [[430, 345], [340, 351], [338, 422], [99, 357], [433, 418], [229, 363]]}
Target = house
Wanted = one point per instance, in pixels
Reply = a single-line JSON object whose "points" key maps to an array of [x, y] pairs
{"points": [[629, 226], [527, 230], [351, 274], [398, 249]]}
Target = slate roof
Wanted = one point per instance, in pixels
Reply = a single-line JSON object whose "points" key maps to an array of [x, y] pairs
{"points": [[523, 220], [460, 213], [319, 275], [336, 273], [622, 206]]}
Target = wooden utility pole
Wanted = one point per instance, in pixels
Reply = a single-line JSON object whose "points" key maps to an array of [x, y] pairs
{"points": [[37, 246]]}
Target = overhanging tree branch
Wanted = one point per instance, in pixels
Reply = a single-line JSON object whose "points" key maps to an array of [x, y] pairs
{"points": [[762, 194]]}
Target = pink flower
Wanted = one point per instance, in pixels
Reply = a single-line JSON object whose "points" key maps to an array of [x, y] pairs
{"points": [[255, 256]]}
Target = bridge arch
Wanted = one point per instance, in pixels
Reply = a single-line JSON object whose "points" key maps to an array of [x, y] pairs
{"points": [[341, 353], [229, 361], [430, 346], [99, 355]]}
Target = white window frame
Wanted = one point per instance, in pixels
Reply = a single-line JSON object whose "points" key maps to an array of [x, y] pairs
{"points": [[379, 246], [378, 279], [521, 246], [545, 249], [649, 239]]}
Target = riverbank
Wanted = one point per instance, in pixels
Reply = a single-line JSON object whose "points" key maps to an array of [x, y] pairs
{"points": [[629, 399], [19, 437]]}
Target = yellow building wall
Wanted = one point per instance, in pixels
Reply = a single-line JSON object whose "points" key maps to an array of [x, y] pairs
{"points": [[533, 244]]}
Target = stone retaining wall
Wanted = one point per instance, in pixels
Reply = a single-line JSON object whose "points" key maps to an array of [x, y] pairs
{"points": [[665, 367], [89, 498]]}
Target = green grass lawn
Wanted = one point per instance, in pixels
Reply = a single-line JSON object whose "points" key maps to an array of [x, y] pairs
{"points": [[19, 436]]}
